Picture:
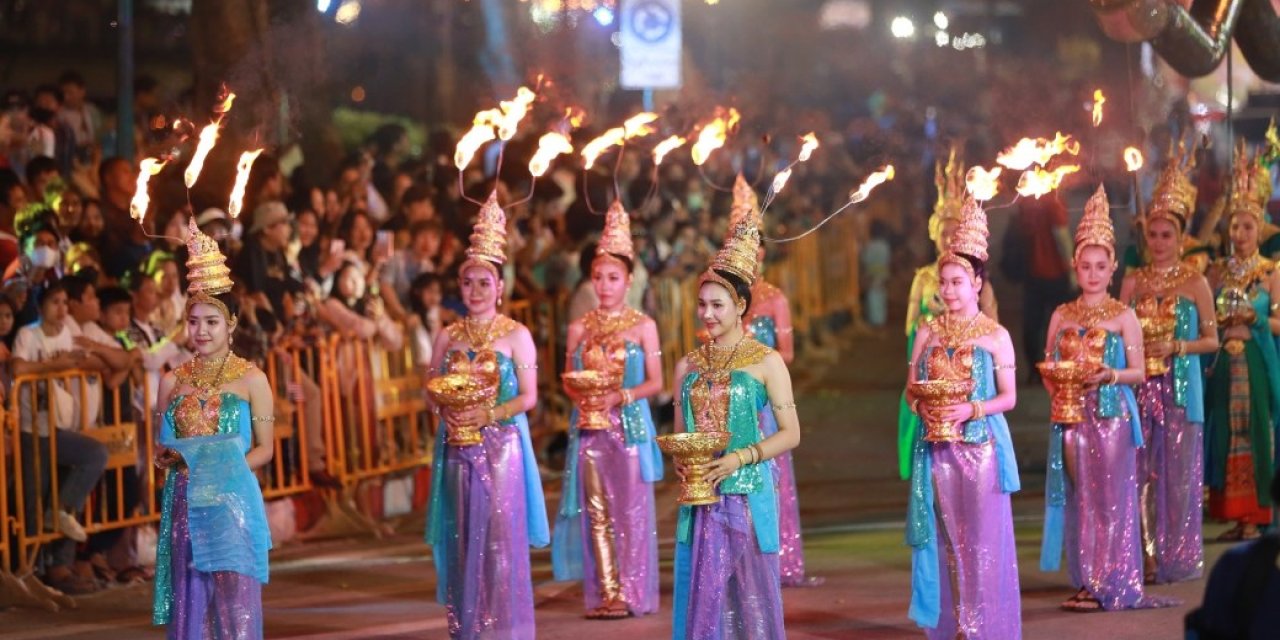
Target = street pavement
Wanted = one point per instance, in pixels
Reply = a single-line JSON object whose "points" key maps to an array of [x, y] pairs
{"points": [[852, 506]]}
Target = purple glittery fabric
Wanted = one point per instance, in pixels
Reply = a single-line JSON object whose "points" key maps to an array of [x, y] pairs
{"points": [[223, 604], [626, 504], [734, 588], [1101, 532], [977, 559], [490, 595], [1170, 468], [791, 551]]}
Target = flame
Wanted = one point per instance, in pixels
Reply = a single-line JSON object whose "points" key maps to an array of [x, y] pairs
{"points": [[1037, 182], [208, 136], [242, 179], [470, 143], [513, 111], [141, 199], [780, 181], [666, 146], [713, 135], [612, 137], [225, 106], [810, 145], [549, 146], [505, 119], [982, 184], [638, 125], [1132, 159], [1098, 100], [1036, 151], [874, 180], [574, 116]]}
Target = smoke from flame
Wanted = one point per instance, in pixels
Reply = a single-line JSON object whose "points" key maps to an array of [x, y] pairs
{"points": [[236, 203], [549, 146], [141, 199]]}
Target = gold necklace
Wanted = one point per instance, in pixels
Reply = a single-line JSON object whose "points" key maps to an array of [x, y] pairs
{"points": [[601, 323], [202, 374], [951, 336], [1089, 316], [1241, 273], [1156, 279]]}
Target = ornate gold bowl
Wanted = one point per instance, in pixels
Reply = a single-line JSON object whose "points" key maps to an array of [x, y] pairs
{"points": [[695, 448], [1235, 308], [942, 393], [463, 392], [1068, 378], [1158, 320], [588, 385]]}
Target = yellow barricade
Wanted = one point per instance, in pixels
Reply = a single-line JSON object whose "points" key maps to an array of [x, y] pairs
{"points": [[40, 405], [287, 370]]}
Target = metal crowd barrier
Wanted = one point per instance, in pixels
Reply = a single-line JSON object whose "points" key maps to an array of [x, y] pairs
{"points": [[289, 471]]}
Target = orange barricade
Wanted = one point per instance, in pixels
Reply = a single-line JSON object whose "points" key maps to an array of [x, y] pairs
{"points": [[293, 373], [40, 405], [7, 467]]}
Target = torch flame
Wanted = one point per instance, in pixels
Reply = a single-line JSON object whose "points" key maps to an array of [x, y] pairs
{"points": [[1132, 159], [1098, 100], [612, 137], [666, 146], [638, 125], [1036, 151], [874, 180], [780, 181], [141, 199], [225, 106], [983, 184], [713, 136], [208, 136], [504, 119], [810, 145], [574, 116], [549, 146], [242, 178], [513, 111], [1037, 182]]}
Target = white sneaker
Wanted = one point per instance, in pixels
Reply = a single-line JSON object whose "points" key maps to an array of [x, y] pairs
{"points": [[70, 527]]}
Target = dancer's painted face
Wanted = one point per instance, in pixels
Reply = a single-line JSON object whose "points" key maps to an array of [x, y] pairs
{"points": [[717, 309], [1162, 239], [1094, 268], [957, 288], [480, 289], [209, 330], [1244, 234], [611, 282]]}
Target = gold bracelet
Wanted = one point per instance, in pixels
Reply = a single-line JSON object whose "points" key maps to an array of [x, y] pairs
{"points": [[626, 396], [784, 407], [759, 452], [263, 419], [978, 411], [742, 462], [1115, 376]]}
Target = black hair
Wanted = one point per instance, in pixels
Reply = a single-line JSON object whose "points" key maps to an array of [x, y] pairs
{"points": [[229, 299], [40, 165], [385, 137], [106, 167], [71, 77], [423, 226], [585, 258], [49, 89], [50, 289], [740, 287], [111, 296], [421, 283], [979, 268], [630, 264], [76, 284], [416, 193], [144, 83]]}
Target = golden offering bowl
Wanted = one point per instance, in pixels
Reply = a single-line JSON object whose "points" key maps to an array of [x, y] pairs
{"points": [[591, 385], [1068, 378], [1154, 331], [1234, 308], [692, 448], [463, 392], [942, 393]]}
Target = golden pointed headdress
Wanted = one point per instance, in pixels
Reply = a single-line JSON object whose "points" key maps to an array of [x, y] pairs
{"points": [[1175, 196], [1251, 184], [739, 255], [207, 272], [616, 238], [1095, 228], [970, 237], [949, 179], [488, 246]]}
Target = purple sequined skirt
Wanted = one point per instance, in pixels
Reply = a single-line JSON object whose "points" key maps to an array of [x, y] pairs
{"points": [[735, 590], [1170, 468], [222, 605], [977, 559], [791, 553], [618, 505], [490, 594]]}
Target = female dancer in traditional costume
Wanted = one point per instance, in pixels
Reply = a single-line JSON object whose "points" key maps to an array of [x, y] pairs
{"points": [[1175, 306], [486, 504], [605, 533], [924, 303], [211, 561], [727, 582], [959, 522], [1244, 383], [1091, 490]]}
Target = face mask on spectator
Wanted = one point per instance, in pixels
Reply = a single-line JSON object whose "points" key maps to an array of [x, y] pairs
{"points": [[695, 201], [44, 257]]}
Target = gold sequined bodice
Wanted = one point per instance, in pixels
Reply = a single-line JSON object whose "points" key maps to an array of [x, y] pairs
{"points": [[709, 397], [197, 414]]}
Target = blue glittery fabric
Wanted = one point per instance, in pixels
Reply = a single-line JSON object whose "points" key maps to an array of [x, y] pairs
{"points": [[225, 517], [638, 430], [1109, 402], [765, 330], [1188, 379], [921, 531]]}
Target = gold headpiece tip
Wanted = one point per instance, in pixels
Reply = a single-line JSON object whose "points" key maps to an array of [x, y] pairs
{"points": [[207, 270], [971, 235], [616, 237], [1095, 226]]}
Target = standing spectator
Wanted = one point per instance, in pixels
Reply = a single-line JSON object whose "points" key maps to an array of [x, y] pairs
{"points": [[41, 261], [428, 318], [162, 268], [123, 243], [1040, 228], [42, 171], [407, 264], [13, 197], [46, 347], [261, 266], [416, 205], [266, 184], [78, 116], [46, 104], [390, 145], [160, 352]]}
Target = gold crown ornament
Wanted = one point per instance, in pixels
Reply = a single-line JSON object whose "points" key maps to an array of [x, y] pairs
{"points": [[949, 179], [1175, 196], [1095, 228], [1251, 184], [969, 239], [615, 240], [207, 272], [488, 247], [740, 253]]}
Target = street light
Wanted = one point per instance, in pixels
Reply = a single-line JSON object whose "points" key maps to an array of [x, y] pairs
{"points": [[902, 28]]}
